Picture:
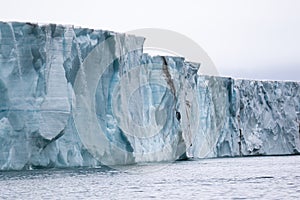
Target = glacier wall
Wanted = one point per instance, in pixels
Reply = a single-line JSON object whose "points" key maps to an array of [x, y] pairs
{"points": [[74, 97], [244, 117]]}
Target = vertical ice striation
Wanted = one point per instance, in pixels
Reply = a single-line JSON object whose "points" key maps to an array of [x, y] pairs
{"points": [[244, 117], [269, 115], [82, 97]]}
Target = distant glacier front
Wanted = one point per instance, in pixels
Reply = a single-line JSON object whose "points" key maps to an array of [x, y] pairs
{"points": [[76, 97]]}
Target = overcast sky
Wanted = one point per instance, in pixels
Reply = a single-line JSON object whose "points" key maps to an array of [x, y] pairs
{"points": [[256, 39]]}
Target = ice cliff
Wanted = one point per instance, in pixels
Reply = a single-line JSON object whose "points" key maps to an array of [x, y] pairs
{"points": [[81, 97], [243, 117]]}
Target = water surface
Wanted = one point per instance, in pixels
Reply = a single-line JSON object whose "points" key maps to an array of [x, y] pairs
{"points": [[226, 178]]}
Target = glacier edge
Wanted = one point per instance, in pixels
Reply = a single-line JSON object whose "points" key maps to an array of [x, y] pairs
{"points": [[73, 97]]}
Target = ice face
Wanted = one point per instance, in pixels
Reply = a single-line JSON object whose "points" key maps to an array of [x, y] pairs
{"points": [[38, 64], [81, 97], [243, 117]]}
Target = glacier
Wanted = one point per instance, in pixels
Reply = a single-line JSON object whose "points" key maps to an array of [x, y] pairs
{"points": [[78, 97]]}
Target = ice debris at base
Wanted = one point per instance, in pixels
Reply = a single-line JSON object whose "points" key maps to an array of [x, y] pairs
{"points": [[74, 97]]}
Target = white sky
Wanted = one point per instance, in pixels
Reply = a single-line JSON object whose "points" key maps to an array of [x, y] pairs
{"points": [[256, 39]]}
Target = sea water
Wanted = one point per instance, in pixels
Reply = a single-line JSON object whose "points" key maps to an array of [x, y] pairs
{"points": [[224, 178]]}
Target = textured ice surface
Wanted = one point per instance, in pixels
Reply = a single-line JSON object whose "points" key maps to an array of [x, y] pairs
{"points": [[243, 117], [81, 97]]}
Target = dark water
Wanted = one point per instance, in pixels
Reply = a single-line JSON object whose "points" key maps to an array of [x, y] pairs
{"points": [[228, 178]]}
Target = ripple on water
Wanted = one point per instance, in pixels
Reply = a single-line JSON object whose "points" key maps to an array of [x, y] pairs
{"points": [[230, 178]]}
